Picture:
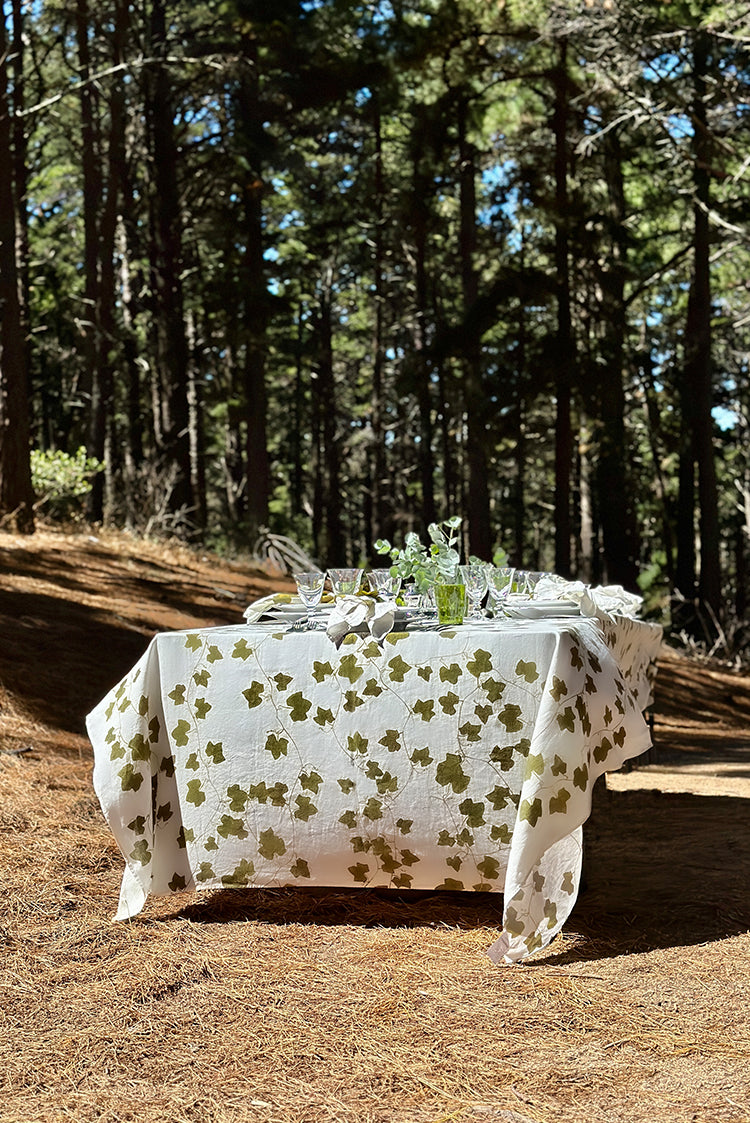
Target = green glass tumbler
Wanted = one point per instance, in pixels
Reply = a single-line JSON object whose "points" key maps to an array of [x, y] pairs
{"points": [[450, 601]]}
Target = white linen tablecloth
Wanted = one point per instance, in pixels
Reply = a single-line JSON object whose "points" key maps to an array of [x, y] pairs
{"points": [[458, 759]]}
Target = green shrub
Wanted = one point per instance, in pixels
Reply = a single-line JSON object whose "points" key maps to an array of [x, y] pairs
{"points": [[62, 481]]}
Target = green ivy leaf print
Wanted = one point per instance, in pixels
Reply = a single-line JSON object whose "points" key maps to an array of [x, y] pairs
{"points": [[346, 786], [177, 883], [403, 881], [348, 819], [581, 777], [205, 873], [567, 719], [501, 834], [567, 884], [137, 825], [502, 755], [472, 812], [373, 809], [425, 709], [130, 780], [404, 825], [371, 650], [177, 695], [167, 766], [241, 650], [141, 853], [470, 732], [534, 766], [214, 654], [489, 867], [282, 680], [193, 642], [425, 673], [575, 658], [211, 844], [619, 736], [589, 686], [300, 868], [276, 746], [360, 845], [323, 717], [237, 798], [493, 688], [421, 756], [359, 872], [602, 751], [450, 771], [446, 839], [242, 874], [399, 669], [510, 717], [512, 924], [530, 811], [350, 669], [558, 689], [117, 752], [538, 879], [559, 767], [481, 663], [450, 674], [373, 770], [298, 706], [353, 701], [483, 712], [200, 678], [154, 728], [373, 689], [231, 828], [527, 671], [139, 747], [387, 783], [201, 708], [271, 844], [356, 743], [498, 797], [180, 732], [192, 762], [311, 781], [253, 695], [164, 813], [391, 741], [195, 793], [455, 862], [451, 885], [558, 804], [305, 808], [595, 664], [185, 835], [533, 942], [408, 859], [321, 670], [448, 702], [143, 706]]}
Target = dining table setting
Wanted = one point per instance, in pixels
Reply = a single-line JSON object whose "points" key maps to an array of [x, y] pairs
{"points": [[362, 732]]}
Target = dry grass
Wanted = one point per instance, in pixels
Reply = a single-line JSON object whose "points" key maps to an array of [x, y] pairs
{"points": [[359, 1007]]}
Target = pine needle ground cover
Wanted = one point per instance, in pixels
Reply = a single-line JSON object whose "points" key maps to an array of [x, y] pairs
{"points": [[358, 1006]]}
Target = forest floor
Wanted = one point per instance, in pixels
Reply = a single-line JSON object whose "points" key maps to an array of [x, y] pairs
{"points": [[292, 1006]]}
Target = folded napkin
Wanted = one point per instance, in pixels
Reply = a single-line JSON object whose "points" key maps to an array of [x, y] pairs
{"points": [[612, 599], [260, 607], [362, 615]]}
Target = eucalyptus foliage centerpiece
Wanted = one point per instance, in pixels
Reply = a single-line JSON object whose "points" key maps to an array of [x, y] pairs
{"points": [[432, 568]]}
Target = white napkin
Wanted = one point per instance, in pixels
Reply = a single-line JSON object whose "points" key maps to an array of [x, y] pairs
{"points": [[612, 599], [255, 610], [362, 615]]}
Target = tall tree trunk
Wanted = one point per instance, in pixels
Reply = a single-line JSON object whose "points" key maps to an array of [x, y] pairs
{"points": [[478, 496], [419, 212], [335, 542], [565, 344], [255, 318], [16, 494], [378, 491], [698, 373], [617, 520], [166, 269]]}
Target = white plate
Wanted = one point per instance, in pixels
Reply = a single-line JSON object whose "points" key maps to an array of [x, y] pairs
{"points": [[537, 609]]}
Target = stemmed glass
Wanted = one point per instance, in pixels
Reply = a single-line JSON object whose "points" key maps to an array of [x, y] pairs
{"points": [[345, 582], [310, 590], [385, 583], [475, 580], [500, 585]]}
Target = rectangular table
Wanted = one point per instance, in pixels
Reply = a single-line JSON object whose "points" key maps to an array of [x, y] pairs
{"points": [[458, 759]]}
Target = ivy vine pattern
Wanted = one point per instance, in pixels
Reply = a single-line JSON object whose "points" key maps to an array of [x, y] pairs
{"points": [[452, 760]]}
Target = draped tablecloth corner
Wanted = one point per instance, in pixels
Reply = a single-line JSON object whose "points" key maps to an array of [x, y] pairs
{"points": [[461, 759]]}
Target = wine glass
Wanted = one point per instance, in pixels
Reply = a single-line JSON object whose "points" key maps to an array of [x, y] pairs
{"points": [[385, 583], [499, 586], [310, 590], [475, 580], [345, 582]]}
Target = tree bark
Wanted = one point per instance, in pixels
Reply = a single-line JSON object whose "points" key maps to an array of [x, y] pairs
{"points": [[564, 335], [16, 493]]}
